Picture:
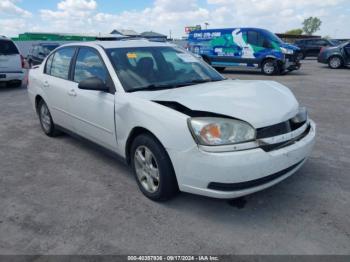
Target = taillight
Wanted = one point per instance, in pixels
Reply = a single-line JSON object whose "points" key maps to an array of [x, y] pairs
{"points": [[322, 49], [23, 62]]}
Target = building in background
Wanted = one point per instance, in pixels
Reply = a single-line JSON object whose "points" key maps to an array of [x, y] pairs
{"points": [[153, 36], [125, 32]]}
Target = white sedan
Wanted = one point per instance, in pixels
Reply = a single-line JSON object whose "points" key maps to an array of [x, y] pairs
{"points": [[173, 118]]}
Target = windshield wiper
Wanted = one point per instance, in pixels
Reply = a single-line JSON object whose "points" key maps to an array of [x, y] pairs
{"points": [[198, 81], [152, 87]]}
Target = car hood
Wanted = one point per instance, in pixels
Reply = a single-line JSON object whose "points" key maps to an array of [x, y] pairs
{"points": [[291, 47], [331, 48], [260, 103]]}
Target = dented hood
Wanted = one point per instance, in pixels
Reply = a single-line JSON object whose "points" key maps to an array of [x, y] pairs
{"points": [[260, 103]]}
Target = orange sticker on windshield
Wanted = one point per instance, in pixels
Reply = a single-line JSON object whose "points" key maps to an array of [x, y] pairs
{"points": [[131, 55]]}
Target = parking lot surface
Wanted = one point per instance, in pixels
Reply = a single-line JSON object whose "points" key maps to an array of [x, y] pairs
{"points": [[65, 196]]}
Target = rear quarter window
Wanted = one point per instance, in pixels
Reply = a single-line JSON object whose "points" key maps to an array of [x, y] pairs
{"points": [[8, 48]]}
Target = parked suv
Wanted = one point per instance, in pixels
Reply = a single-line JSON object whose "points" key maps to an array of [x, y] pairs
{"points": [[38, 53], [336, 57], [11, 63], [312, 47]]}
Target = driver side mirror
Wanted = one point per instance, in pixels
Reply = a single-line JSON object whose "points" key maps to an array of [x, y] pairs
{"points": [[93, 84]]}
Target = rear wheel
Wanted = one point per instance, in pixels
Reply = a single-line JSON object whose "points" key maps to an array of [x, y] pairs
{"points": [[153, 169], [15, 83], [46, 121], [335, 62], [269, 67]]}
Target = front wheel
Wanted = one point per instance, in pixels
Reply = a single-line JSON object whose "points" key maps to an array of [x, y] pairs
{"points": [[269, 67], [153, 169], [335, 62], [301, 56]]}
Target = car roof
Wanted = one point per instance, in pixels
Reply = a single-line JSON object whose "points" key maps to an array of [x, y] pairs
{"points": [[311, 39], [2, 37], [120, 44], [47, 44]]}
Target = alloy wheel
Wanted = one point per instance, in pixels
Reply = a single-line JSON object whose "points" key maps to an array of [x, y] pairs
{"points": [[45, 118], [335, 62], [146, 168], [269, 68]]}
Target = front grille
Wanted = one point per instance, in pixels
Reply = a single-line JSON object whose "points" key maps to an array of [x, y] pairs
{"points": [[278, 129], [272, 147], [293, 58]]}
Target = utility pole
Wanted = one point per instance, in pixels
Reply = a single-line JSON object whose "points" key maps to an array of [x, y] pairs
{"points": [[170, 34]]}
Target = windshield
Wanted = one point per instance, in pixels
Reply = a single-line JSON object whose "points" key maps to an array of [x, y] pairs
{"points": [[46, 49], [157, 68], [8, 48], [272, 37], [335, 42], [50, 47]]}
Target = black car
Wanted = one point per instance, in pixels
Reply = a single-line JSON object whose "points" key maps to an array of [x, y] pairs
{"points": [[38, 53], [336, 57], [312, 47]]}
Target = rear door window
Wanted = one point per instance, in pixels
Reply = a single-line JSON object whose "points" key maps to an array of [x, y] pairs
{"points": [[61, 62], [8, 48], [321, 43]]}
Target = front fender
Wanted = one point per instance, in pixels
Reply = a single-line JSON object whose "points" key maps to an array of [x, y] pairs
{"points": [[169, 126]]}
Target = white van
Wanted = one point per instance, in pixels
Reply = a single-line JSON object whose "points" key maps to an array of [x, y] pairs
{"points": [[11, 63]]}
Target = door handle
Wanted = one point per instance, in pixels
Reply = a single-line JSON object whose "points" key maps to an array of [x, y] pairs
{"points": [[46, 84], [72, 93]]}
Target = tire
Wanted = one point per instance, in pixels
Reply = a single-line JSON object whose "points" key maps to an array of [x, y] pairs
{"points": [[152, 168], [301, 56], [335, 62], [15, 84], [46, 122], [270, 67], [220, 69], [206, 59]]}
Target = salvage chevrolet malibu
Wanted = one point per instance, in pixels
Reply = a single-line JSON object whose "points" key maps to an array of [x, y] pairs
{"points": [[176, 121]]}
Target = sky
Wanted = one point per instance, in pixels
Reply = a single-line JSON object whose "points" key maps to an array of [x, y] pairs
{"points": [[163, 16]]}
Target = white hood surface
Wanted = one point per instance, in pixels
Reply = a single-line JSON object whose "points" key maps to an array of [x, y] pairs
{"points": [[260, 103]]}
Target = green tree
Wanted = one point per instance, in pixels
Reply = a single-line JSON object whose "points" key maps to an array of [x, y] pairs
{"points": [[295, 32], [311, 25]]}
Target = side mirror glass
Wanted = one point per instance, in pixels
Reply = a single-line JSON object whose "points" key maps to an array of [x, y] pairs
{"points": [[93, 83]]}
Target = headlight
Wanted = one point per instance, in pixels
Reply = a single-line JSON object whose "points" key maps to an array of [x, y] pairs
{"points": [[301, 117], [211, 131], [287, 51]]}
